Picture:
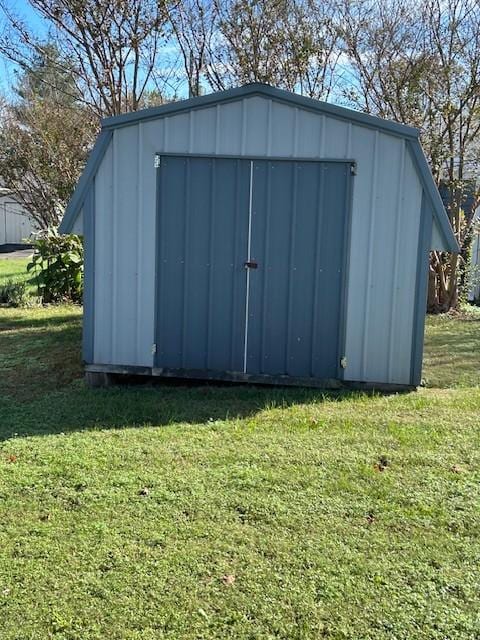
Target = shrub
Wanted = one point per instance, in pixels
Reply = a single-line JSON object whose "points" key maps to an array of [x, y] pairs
{"points": [[14, 293], [57, 267]]}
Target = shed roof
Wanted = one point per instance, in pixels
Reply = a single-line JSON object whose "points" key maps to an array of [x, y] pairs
{"points": [[250, 90]]}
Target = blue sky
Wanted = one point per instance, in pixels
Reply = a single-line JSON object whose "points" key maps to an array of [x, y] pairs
{"points": [[23, 9]]}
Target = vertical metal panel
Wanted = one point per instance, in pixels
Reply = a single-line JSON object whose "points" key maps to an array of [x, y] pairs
{"points": [[202, 223], [89, 272], [309, 134], [283, 129], [382, 258], [474, 294], [78, 224], [256, 132], [336, 133], [177, 133], [15, 224], [125, 240], [297, 238], [230, 131], [104, 241], [203, 123], [437, 242], [147, 241]]}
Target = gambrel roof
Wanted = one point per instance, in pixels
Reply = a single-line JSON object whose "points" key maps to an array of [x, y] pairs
{"points": [[410, 134]]}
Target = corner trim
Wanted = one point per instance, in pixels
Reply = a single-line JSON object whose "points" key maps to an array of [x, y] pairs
{"points": [[431, 190], [89, 274], [79, 195], [420, 300]]}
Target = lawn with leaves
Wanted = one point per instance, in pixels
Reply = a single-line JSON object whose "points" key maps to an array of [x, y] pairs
{"points": [[190, 512]]}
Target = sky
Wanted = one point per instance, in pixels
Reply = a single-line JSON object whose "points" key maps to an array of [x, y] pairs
{"points": [[23, 9]]}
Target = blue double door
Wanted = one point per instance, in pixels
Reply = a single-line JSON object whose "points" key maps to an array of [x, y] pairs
{"points": [[250, 266]]}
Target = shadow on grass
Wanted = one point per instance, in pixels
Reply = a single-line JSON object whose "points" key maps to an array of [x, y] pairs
{"points": [[22, 322], [77, 407], [42, 389]]}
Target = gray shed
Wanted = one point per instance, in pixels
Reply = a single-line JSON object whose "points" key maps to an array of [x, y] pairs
{"points": [[15, 224], [257, 235]]}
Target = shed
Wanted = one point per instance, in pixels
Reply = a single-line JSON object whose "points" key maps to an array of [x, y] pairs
{"points": [[15, 223], [257, 235]]}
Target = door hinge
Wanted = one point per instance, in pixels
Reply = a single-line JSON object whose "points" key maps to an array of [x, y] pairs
{"points": [[343, 362], [158, 161], [154, 349], [353, 168]]}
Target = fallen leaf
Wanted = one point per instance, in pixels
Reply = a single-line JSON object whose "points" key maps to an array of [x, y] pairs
{"points": [[12, 458], [382, 464], [457, 469], [228, 579], [144, 492]]}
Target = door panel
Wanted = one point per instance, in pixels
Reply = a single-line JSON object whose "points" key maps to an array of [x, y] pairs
{"points": [[298, 229], [201, 284]]}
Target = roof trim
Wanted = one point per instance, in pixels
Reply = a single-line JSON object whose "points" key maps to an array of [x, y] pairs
{"points": [[265, 90], [436, 202], [78, 197]]}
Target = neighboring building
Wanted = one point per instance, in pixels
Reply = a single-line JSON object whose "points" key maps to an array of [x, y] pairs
{"points": [[257, 235], [474, 294], [15, 223]]}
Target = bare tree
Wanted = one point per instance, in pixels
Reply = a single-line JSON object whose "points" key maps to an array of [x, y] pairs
{"points": [[286, 43], [194, 25], [419, 63], [114, 46], [45, 135]]}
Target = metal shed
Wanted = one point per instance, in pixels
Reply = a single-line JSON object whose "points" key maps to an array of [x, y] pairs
{"points": [[257, 235], [15, 223]]}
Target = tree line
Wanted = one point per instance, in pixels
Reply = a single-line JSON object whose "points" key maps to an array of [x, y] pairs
{"points": [[417, 62]]}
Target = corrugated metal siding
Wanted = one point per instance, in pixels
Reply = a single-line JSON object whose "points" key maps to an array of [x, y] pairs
{"points": [[474, 294], [15, 225], [78, 224], [384, 228], [438, 240]]}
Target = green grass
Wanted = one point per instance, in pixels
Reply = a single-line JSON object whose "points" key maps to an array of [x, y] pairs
{"points": [[203, 512], [13, 269]]}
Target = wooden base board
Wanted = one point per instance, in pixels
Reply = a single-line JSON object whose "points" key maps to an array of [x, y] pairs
{"points": [[102, 375]]}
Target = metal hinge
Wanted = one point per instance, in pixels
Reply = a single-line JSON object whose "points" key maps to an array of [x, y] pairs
{"points": [[353, 168], [158, 161], [343, 362], [154, 349]]}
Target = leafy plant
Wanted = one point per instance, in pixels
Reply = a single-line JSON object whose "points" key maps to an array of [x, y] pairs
{"points": [[14, 293], [57, 266]]}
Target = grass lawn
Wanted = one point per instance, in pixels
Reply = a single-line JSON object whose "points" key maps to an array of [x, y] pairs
{"points": [[235, 512], [13, 269]]}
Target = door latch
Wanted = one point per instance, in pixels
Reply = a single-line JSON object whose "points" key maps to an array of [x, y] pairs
{"points": [[251, 264]]}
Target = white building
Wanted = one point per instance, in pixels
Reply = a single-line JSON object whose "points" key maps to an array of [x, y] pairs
{"points": [[15, 223]]}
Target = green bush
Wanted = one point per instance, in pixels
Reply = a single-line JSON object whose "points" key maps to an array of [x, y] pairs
{"points": [[57, 267], [14, 293]]}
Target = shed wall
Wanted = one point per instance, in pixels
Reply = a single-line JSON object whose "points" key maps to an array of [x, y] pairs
{"points": [[384, 234], [474, 294], [15, 225]]}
